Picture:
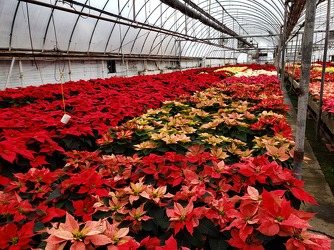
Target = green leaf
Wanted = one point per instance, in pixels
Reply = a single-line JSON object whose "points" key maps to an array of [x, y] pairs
{"points": [[150, 226], [55, 194], [218, 244], [162, 149], [42, 245], [102, 215], [39, 226], [68, 141], [88, 141], [207, 227], [173, 147], [197, 238], [119, 150], [159, 217], [183, 238]]}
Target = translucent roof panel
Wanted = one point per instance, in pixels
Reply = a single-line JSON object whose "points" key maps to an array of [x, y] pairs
{"points": [[196, 28]]}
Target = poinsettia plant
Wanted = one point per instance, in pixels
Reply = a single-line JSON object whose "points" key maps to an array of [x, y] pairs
{"points": [[315, 78], [205, 171], [31, 133]]}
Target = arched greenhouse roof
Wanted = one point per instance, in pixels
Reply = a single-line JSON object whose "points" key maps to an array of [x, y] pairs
{"points": [[197, 28]]}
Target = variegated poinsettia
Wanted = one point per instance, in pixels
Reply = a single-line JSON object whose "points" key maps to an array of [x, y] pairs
{"points": [[213, 119]]}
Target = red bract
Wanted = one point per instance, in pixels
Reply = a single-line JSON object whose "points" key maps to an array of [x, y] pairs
{"points": [[295, 186], [181, 217], [283, 128], [305, 240], [244, 221], [13, 237], [170, 244], [88, 181], [150, 243], [251, 243], [256, 169], [7, 151], [84, 208], [48, 214], [18, 209], [277, 216], [222, 212]]}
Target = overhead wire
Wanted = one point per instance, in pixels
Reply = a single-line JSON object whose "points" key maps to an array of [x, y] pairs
{"points": [[30, 36], [60, 69], [31, 43]]}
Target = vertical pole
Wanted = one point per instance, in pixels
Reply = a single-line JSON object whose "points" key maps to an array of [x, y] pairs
{"points": [[283, 46], [324, 60], [102, 62], [127, 67], [21, 72], [69, 70], [10, 72], [307, 45]]}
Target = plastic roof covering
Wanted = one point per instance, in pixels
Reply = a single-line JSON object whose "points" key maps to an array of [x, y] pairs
{"points": [[135, 27]]}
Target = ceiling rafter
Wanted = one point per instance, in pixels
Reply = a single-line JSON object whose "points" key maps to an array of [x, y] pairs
{"points": [[203, 17]]}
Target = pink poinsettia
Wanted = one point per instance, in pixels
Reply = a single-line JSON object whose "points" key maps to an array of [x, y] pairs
{"points": [[78, 237]]}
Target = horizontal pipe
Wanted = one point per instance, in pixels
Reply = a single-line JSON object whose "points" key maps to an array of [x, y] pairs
{"points": [[175, 4], [49, 56]]}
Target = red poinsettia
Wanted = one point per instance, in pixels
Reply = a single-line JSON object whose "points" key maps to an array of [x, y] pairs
{"points": [[251, 243], [247, 217], [84, 208], [302, 239], [14, 237], [181, 217], [277, 215], [170, 244], [47, 214]]}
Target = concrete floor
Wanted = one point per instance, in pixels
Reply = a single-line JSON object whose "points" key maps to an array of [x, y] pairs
{"points": [[316, 185]]}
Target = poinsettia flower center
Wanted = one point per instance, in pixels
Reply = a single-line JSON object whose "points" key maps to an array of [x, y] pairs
{"points": [[279, 218], [137, 217], [248, 218], [115, 208], [77, 235], [222, 213], [15, 240], [182, 217], [298, 237]]}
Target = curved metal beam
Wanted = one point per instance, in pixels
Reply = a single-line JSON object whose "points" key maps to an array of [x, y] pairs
{"points": [[47, 27], [75, 25], [12, 27], [97, 21]]}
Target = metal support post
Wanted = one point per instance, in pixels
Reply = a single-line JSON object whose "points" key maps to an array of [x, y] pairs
{"points": [[307, 45], [10, 72]]}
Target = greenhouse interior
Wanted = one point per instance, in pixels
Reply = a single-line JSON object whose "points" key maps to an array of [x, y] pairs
{"points": [[167, 124]]}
